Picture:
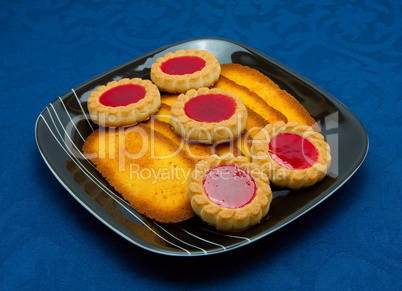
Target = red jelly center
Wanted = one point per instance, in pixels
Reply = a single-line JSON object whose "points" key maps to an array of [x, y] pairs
{"points": [[210, 108], [293, 151], [182, 65], [122, 95], [229, 186]]}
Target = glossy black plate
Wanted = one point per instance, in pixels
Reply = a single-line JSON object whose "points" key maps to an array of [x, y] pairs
{"points": [[63, 126]]}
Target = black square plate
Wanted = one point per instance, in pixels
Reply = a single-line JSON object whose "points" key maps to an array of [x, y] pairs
{"points": [[63, 125]]}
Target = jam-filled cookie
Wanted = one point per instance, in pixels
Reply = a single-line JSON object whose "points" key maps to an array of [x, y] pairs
{"points": [[292, 156], [208, 115], [229, 192], [183, 70], [124, 103]]}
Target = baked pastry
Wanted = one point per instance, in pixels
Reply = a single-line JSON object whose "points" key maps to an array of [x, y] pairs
{"points": [[124, 103], [161, 122], [208, 115], [152, 179], [229, 192], [196, 151], [252, 101], [183, 70], [269, 91], [292, 156]]}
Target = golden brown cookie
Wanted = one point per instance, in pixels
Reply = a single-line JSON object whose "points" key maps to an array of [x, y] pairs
{"points": [[292, 156], [144, 167], [208, 115], [183, 70], [269, 91], [229, 192], [124, 103], [251, 100]]}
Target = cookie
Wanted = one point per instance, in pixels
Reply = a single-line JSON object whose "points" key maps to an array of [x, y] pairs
{"points": [[292, 156], [183, 70], [208, 115], [269, 91], [229, 192], [144, 167], [123, 103]]}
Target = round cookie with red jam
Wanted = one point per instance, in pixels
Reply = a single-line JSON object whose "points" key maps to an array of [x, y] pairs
{"points": [[124, 103], [292, 156], [229, 192], [183, 70], [208, 115]]}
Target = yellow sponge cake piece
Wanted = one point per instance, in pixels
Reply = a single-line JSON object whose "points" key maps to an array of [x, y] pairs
{"points": [[153, 179], [270, 92], [252, 101]]}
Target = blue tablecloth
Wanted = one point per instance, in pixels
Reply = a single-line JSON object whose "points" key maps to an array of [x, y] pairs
{"points": [[351, 49]]}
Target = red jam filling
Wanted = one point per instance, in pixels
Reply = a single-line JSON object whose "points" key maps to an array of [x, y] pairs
{"points": [[210, 108], [292, 151], [229, 186], [123, 95], [182, 65]]}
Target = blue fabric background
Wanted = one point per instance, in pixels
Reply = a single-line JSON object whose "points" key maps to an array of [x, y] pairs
{"points": [[352, 49]]}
